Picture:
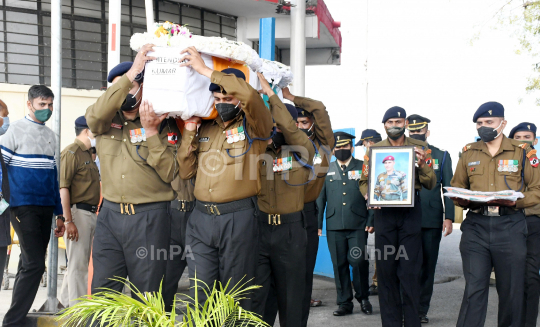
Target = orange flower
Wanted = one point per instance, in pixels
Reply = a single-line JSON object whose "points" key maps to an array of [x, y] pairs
{"points": [[160, 31]]}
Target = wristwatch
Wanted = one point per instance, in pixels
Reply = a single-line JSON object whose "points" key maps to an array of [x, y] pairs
{"points": [[61, 218]]}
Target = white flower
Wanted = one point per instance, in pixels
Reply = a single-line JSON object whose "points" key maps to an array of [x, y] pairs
{"points": [[167, 25]]}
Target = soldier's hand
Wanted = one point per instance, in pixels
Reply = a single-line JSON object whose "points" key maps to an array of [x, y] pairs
{"points": [[370, 229], [149, 120], [140, 62], [266, 88], [72, 232], [420, 156], [447, 227], [192, 123], [287, 94], [319, 232], [503, 203], [194, 60]]}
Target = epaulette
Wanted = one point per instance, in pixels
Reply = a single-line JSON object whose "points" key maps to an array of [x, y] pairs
{"points": [[466, 148], [428, 151], [531, 153]]}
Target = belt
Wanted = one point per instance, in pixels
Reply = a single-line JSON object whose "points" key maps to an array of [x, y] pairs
{"points": [[219, 209], [183, 205], [278, 219], [495, 211], [310, 206], [87, 207], [131, 209]]}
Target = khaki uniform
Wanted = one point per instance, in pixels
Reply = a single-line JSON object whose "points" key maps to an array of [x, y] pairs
{"points": [[323, 137], [398, 276], [80, 175], [224, 222], [499, 241], [133, 227], [282, 236]]}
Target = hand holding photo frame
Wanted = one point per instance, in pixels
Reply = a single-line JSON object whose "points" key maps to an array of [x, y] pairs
{"points": [[391, 176]]}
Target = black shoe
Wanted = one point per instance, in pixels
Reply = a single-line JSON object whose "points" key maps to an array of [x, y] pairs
{"points": [[373, 290], [366, 306], [424, 319], [342, 312]]}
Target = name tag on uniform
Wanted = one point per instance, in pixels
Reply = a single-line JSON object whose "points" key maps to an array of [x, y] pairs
{"points": [[204, 139], [331, 173], [355, 174], [508, 165], [474, 163], [235, 135], [137, 135], [282, 164]]}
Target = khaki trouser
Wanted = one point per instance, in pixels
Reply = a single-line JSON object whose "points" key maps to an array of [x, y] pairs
{"points": [[75, 282]]}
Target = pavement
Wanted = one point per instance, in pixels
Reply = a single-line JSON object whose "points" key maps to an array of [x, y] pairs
{"points": [[445, 304]]}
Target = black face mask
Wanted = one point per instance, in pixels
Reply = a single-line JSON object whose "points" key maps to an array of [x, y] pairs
{"points": [[420, 137], [227, 111], [278, 140], [343, 154], [395, 132], [130, 102], [308, 131], [488, 134]]}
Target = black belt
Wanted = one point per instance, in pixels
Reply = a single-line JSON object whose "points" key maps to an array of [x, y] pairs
{"points": [[496, 211], [183, 205], [131, 209], [87, 207], [310, 206], [278, 219], [219, 209]]}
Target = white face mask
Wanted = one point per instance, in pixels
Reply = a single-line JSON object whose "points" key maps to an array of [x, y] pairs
{"points": [[92, 142]]}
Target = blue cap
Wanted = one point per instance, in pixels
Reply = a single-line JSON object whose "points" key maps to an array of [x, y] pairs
{"points": [[238, 73], [81, 122], [523, 127], [302, 112], [121, 69], [368, 135], [292, 111], [489, 109], [394, 112]]}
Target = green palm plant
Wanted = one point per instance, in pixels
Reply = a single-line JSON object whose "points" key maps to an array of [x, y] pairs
{"points": [[115, 309]]}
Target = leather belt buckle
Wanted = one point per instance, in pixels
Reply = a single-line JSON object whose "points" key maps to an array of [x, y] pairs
{"points": [[492, 211], [124, 209], [274, 219], [182, 205]]}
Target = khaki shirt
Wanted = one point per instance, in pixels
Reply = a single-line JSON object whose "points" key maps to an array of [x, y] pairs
{"points": [[276, 196], [79, 174], [424, 176], [133, 173], [184, 188], [220, 177], [477, 170], [324, 141]]}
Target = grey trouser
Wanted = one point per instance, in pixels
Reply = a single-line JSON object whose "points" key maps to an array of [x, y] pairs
{"points": [[134, 245], [75, 284]]}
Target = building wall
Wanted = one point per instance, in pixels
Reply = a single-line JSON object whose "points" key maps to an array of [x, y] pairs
{"points": [[74, 104]]}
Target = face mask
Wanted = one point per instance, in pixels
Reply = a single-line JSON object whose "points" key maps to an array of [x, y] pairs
{"points": [[227, 111], [309, 131], [488, 134], [43, 115], [420, 137], [278, 140], [130, 102], [343, 154], [92, 142], [395, 132]]}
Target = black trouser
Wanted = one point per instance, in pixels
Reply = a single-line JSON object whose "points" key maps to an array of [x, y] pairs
{"points": [[486, 243], [33, 227], [312, 223], [431, 239], [3, 257], [177, 258], [282, 253], [348, 247], [532, 275], [398, 252], [135, 245], [224, 248]]}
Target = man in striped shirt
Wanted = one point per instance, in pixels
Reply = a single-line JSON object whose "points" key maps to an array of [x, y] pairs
{"points": [[28, 148]]}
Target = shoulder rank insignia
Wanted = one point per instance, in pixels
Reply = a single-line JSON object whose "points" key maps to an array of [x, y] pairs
{"points": [[531, 153], [366, 158], [523, 145], [467, 147], [428, 151]]}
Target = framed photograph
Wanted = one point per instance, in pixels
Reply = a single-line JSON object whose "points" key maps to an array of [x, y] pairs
{"points": [[391, 176]]}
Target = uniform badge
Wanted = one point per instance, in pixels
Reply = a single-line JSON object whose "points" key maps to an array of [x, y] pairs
{"points": [[117, 126], [236, 134], [282, 164], [534, 162], [365, 170], [317, 159], [137, 135], [354, 174], [172, 138], [473, 169], [429, 162], [435, 164]]}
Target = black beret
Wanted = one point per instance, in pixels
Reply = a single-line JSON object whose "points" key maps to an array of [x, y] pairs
{"points": [[489, 109], [523, 127], [81, 122], [394, 112], [292, 111], [417, 122], [368, 135], [343, 138], [302, 112], [238, 73], [121, 69]]}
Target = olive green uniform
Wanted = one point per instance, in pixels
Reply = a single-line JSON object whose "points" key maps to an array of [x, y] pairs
{"points": [[133, 227], [498, 239], [323, 138], [282, 235], [227, 183], [80, 175], [399, 228]]}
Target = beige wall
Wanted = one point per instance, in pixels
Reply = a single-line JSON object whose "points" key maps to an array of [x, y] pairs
{"points": [[74, 104]]}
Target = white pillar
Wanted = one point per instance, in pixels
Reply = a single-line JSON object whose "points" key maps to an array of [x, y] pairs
{"points": [[115, 23], [149, 5], [298, 47]]}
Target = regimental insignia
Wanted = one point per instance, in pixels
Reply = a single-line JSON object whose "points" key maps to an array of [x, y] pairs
{"points": [[365, 170], [235, 135], [429, 162], [414, 121], [172, 138], [531, 153], [303, 113], [399, 114], [490, 111], [529, 127], [117, 126], [534, 162], [473, 169], [338, 138], [465, 148]]}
